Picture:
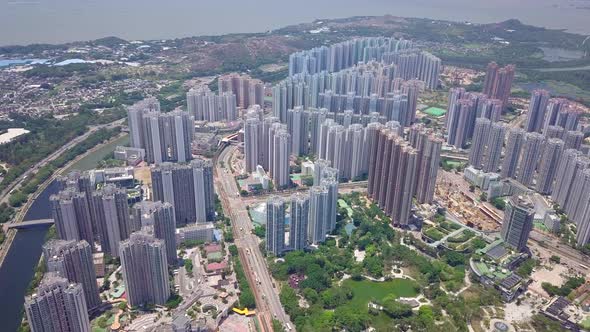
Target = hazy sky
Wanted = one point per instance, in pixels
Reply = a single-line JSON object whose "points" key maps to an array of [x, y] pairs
{"points": [[53, 21]]}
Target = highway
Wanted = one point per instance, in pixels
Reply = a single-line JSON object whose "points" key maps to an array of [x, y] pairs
{"points": [[22, 211], [266, 296], [16, 184]]}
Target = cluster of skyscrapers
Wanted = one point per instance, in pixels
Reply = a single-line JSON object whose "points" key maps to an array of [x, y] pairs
{"points": [[145, 269], [486, 146], [337, 138], [164, 136], [145, 241], [362, 89], [343, 55], [400, 170], [248, 91], [428, 146], [522, 155], [415, 64], [363, 75], [313, 215], [463, 110], [188, 188], [72, 260], [82, 213], [205, 105], [57, 305], [572, 191], [544, 155], [498, 82], [267, 143], [84, 216]]}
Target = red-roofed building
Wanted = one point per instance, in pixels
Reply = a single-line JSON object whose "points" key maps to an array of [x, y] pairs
{"points": [[216, 268]]}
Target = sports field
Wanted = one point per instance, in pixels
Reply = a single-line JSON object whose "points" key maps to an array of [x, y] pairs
{"points": [[435, 111]]}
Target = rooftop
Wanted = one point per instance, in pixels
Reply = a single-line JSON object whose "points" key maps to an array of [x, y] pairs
{"points": [[216, 266]]}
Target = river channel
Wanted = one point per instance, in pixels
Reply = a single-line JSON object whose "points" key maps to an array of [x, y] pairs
{"points": [[19, 266]]}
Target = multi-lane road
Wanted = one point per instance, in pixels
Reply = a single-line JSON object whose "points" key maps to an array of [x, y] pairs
{"points": [[266, 295], [16, 183], [343, 188]]}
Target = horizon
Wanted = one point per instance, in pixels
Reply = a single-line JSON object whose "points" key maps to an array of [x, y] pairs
{"points": [[70, 21]]}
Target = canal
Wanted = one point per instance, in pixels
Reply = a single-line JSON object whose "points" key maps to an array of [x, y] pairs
{"points": [[19, 265], [20, 262]]}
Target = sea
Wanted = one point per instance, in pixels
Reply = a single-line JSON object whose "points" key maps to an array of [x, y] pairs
{"points": [[57, 21]]}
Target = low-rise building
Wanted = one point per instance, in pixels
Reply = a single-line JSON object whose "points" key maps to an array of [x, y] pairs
{"points": [[552, 221], [216, 268], [99, 266], [120, 176], [307, 168], [556, 309], [494, 266], [506, 187], [197, 232], [130, 154], [480, 178]]}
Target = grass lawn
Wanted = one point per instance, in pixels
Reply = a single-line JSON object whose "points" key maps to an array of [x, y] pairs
{"points": [[585, 323], [434, 233], [453, 163], [366, 290]]}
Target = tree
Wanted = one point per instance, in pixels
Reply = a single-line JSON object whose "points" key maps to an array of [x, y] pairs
{"points": [[260, 231], [565, 289], [555, 259], [351, 319], [173, 301], [499, 203], [228, 236], [335, 297], [311, 295], [247, 300], [277, 326], [307, 180], [526, 268], [188, 265], [374, 265], [478, 243], [426, 317], [455, 259], [17, 198], [289, 300], [317, 278], [396, 309]]}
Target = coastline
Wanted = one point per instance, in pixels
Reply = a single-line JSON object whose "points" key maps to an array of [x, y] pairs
{"points": [[473, 15]]}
